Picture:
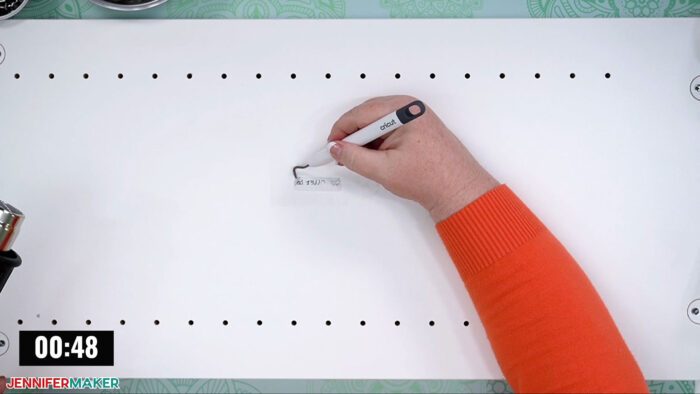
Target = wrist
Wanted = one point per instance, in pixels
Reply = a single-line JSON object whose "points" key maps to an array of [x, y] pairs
{"points": [[463, 193]]}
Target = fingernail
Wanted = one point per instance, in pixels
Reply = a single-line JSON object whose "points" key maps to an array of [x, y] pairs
{"points": [[335, 150]]}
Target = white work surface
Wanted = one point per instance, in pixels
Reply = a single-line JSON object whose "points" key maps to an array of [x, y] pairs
{"points": [[173, 198]]}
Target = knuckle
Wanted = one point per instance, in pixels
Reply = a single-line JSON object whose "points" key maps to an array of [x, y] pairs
{"points": [[347, 115], [378, 99], [374, 106], [353, 113]]}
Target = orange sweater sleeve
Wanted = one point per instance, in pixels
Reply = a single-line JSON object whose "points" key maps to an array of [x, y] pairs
{"points": [[548, 327]]}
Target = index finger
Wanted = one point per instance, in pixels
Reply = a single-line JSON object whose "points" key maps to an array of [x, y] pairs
{"points": [[366, 113]]}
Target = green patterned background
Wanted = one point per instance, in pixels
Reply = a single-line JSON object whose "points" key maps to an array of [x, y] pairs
{"points": [[209, 9], [373, 9]]}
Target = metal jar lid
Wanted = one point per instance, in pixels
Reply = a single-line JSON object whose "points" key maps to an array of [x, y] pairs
{"points": [[10, 8], [11, 219], [128, 5]]}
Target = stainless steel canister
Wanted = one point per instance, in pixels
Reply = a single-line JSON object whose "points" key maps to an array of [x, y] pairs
{"points": [[11, 220], [10, 8], [128, 5]]}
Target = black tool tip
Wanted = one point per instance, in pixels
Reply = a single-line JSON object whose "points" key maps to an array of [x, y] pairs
{"points": [[294, 170]]}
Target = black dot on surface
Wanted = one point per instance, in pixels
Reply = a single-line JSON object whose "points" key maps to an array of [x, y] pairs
{"points": [[328, 322], [432, 75], [294, 322], [362, 323], [260, 322], [363, 76], [397, 75], [397, 323], [695, 311], [466, 323], [572, 75], [467, 76], [607, 75], [258, 75], [431, 323], [189, 75], [328, 76], [537, 75], [225, 322], [120, 76], [191, 322], [86, 76], [122, 322], [16, 76], [154, 76], [293, 76], [51, 76], [54, 322], [224, 76], [502, 76], [20, 322], [88, 322], [156, 322]]}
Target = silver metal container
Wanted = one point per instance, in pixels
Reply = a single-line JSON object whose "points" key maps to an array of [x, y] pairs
{"points": [[128, 5], [10, 8], [11, 220]]}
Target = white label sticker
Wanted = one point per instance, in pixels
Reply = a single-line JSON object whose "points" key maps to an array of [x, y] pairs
{"points": [[316, 184]]}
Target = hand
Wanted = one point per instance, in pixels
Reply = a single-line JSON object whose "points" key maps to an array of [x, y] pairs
{"points": [[421, 161]]}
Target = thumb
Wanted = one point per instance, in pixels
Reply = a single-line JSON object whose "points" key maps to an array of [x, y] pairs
{"points": [[367, 162]]}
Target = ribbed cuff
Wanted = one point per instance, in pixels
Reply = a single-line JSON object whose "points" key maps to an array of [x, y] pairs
{"points": [[487, 230]]}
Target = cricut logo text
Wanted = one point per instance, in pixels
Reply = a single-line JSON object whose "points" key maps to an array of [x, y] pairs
{"points": [[386, 125]]}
